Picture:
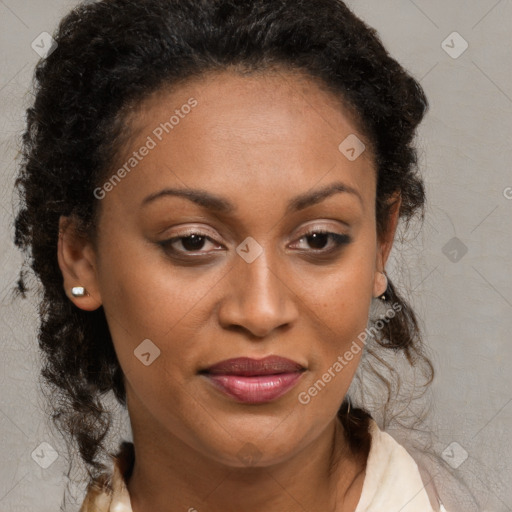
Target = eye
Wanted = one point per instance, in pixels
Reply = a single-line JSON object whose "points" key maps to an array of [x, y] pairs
{"points": [[191, 242], [194, 242], [318, 239]]}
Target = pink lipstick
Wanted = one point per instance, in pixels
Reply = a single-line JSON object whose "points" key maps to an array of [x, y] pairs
{"points": [[254, 381]]}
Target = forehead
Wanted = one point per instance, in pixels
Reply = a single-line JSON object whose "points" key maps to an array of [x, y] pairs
{"points": [[277, 130]]}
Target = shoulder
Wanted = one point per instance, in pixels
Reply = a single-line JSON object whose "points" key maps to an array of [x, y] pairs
{"points": [[393, 479], [401, 463]]}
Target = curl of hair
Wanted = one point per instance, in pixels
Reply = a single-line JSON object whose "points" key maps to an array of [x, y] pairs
{"points": [[113, 54]]}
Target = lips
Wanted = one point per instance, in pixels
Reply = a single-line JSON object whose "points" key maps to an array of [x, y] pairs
{"points": [[254, 380], [245, 366]]}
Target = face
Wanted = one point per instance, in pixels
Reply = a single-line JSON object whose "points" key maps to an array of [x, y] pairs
{"points": [[241, 231]]}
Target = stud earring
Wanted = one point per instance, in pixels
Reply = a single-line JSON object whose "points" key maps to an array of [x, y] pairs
{"points": [[383, 296], [79, 291]]}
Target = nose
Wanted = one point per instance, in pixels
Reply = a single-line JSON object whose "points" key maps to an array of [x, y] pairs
{"points": [[258, 299]]}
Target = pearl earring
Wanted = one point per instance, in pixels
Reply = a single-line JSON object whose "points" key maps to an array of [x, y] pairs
{"points": [[79, 291]]}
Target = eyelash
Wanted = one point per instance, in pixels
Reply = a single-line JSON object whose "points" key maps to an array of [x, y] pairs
{"points": [[338, 239]]}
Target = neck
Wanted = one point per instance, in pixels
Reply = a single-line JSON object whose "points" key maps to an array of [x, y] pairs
{"points": [[169, 475]]}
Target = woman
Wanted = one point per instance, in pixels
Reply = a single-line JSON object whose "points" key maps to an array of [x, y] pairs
{"points": [[211, 193]]}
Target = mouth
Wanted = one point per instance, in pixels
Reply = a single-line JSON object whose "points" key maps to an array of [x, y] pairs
{"points": [[254, 381]]}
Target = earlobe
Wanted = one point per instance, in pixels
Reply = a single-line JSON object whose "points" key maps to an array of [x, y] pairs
{"points": [[77, 264], [380, 284]]}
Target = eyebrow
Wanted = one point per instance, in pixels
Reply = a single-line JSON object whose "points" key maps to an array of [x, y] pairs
{"points": [[223, 205]]}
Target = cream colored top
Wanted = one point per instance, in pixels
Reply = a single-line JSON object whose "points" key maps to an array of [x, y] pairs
{"points": [[392, 482]]}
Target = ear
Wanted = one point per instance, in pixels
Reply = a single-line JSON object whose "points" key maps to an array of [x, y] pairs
{"points": [[77, 262], [385, 244]]}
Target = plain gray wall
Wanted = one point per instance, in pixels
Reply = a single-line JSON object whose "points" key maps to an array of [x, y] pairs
{"points": [[465, 305]]}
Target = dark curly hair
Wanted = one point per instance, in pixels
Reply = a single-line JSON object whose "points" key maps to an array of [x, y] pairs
{"points": [[113, 54]]}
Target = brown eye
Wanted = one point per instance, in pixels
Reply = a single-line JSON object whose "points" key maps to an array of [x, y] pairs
{"points": [[192, 242], [318, 240]]}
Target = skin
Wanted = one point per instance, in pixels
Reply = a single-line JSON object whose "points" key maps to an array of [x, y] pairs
{"points": [[258, 141]]}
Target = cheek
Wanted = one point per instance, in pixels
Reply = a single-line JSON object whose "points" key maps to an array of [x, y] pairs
{"points": [[145, 297], [338, 302], [340, 298], [145, 294]]}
